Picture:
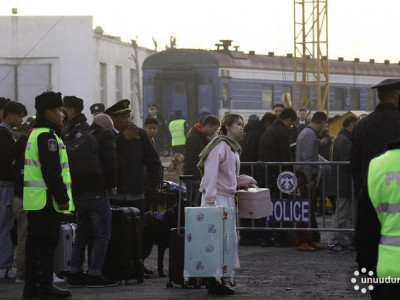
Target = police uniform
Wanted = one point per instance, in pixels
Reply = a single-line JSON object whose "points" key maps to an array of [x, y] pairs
{"points": [[47, 183], [135, 158], [383, 189], [162, 140], [76, 124], [370, 136]]}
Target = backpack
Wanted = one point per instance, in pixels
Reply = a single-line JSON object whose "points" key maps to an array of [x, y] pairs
{"points": [[83, 156]]}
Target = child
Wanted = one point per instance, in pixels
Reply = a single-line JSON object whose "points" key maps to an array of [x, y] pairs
{"points": [[151, 128]]}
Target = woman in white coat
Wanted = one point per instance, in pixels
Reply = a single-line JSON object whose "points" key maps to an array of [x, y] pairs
{"points": [[219, 165]]}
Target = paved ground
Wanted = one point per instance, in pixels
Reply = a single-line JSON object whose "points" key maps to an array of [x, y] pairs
{"points": [[266, 273]]}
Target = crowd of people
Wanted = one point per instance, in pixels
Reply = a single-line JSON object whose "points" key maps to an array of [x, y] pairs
{"points": [[42, 175]]}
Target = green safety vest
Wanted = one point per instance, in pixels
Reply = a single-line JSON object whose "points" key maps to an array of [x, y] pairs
{"points": [[35, 188], [177, 129], [384, 192]]}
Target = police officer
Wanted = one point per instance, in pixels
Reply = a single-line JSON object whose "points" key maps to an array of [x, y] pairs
{"points": [[73, 107], [383, 189], [47, 193], [179, 129], [370, 136], [96, 109]]}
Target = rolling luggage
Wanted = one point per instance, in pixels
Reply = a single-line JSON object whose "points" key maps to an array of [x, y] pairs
{"points": [[63, 251], [209, 243], [124, 258]]}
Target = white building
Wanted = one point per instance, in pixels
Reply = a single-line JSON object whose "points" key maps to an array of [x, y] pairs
{"points": [[64, 54]]}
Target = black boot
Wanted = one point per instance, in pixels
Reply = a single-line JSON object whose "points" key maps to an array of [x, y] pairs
{"points": [[51, 291], [30, 291], [219, 289]]}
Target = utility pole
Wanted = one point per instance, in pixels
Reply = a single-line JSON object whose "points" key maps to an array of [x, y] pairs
{"points": [[311, 64], [135, 59]]}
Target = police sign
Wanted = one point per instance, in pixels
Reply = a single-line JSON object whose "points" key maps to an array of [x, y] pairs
{"points": [[290, 210]]}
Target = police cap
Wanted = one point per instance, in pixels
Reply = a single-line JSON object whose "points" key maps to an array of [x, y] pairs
{"points": [[73, 101], [121, 107], [152, 105], [97, 108], [390, 84]]}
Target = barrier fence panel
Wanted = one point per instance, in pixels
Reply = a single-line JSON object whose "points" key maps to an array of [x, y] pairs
{"points": [[294, 201]]}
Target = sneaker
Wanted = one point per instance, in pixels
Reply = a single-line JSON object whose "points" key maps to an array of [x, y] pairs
{"points": [[57, 279], [77, 279], [99, 282], [336, 248], [7, 273]]}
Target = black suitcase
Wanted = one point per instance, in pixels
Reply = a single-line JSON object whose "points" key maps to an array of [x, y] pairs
{"points": [[124, 258], [177, 249]]}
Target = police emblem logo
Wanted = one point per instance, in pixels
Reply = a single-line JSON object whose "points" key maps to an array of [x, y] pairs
{"points": [[52, 145], [287, 182]]}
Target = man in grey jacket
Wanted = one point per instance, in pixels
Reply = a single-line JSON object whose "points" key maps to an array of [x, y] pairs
{"points": [[342, 189], [307, 151]]}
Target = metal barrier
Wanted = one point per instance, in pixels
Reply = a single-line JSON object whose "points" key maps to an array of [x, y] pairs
{"points": [[256, 167]]}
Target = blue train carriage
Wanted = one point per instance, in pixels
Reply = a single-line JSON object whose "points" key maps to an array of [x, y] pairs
{"points": [[223, 80]]}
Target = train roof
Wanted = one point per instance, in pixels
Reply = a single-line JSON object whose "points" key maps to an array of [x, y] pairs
{"points": [[196, 58]]}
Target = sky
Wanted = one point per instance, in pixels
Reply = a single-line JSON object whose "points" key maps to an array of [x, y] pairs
{"points": [[357, 28]]}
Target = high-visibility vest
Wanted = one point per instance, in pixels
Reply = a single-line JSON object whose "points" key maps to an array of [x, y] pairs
{"points": [[35, 188], [177, 129], [384, 192]]}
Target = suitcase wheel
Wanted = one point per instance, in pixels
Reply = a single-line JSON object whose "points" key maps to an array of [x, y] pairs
{"points": [[123, 282], [169, 285]]}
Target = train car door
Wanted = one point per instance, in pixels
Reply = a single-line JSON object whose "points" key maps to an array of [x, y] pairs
{"points": [[176, 94]]}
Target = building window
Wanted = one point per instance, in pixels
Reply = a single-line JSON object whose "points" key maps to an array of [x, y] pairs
{"points": [[340, 97], [225, 95], [103, 83], [118, 83], [371, 99], [132, 85], [286, 94], [354, 99], [267, 96]]}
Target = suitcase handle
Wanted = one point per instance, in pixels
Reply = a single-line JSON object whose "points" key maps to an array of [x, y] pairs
{"points": [[181, 178], [227, 241]]}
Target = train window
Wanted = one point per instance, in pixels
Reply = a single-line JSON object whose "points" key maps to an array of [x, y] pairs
{"points": [[340, 97], [371, 100], [224, 95], [286, 90], [354, 99], [267, 96]]}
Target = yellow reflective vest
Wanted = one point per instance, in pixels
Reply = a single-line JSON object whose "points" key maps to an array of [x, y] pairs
{"points": [[384, 192], [177, 129], [35, 188]]}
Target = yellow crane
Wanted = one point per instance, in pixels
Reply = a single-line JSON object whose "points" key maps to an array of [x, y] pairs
{"points": [[311, 65]]}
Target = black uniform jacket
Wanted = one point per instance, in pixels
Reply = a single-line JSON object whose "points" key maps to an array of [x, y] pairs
{"points": [[370, 137], [74, 125], [195, 143], [132, 158], [49, 159], [250, 142]]}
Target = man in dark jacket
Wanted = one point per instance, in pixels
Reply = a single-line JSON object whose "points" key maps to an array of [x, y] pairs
{"points": [[10, 150], [163, 138], [251, 138], [73, 107], [134, 153], [93, 208], [343, 214], [3, 102], [275, 146], [370, 137], [197, 139]]}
